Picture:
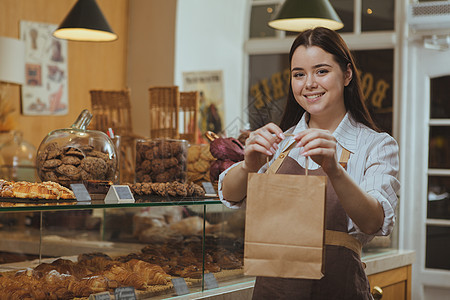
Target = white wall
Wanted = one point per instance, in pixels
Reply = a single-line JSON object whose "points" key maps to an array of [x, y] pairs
{"points": [[210, 36]]}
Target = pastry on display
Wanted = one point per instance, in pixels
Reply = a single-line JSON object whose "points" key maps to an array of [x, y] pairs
{"points": [[174, 189], [199, 160], [148, 271], [66, 279], [30, 190]]}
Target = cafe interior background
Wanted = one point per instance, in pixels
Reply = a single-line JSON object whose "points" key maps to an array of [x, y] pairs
{"points": [[401, 46]]}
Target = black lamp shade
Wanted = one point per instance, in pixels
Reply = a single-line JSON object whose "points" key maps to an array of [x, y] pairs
{"points": [[85, 22], [299, 15]]}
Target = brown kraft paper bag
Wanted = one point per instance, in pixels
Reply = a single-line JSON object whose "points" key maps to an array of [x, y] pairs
{"points": [[285, 226]]}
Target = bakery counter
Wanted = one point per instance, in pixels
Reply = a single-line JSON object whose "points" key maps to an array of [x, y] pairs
{"points": [[146, 244], [180, 237], [389, 268], [387, 259]]}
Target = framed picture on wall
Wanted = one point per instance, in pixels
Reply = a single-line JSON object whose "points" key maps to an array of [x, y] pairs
{"points": [[45, 91], [209, 84]]}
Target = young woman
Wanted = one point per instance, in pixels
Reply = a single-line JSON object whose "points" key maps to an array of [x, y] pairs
{"points": [[326, 118]]}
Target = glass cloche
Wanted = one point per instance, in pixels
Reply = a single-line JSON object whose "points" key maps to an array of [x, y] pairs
{"points": [[17, 159], [75, 154]]}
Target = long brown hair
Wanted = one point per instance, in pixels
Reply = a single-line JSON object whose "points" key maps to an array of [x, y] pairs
{"points": [[331, 42]]}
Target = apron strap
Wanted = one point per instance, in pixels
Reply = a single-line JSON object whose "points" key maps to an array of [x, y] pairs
{"points": [[339, 238], [273, 168], [343, 239], [345, 155]]}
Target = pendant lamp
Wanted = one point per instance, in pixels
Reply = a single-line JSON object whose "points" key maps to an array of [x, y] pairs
{"points": [[85, 22], [299, 15]]}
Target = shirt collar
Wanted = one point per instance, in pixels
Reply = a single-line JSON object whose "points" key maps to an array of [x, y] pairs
{"points": [[345, 134]]}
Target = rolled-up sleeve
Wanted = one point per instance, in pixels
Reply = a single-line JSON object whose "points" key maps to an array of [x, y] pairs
{"points": [[224, 173], [380, 178], [219, 187]]}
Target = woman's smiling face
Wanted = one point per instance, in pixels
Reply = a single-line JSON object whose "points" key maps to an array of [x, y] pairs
{"points": [[318, 82]]}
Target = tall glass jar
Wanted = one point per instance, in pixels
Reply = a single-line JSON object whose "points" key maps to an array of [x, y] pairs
{"points": [[161, 160], [17, 159], [75, 154]]}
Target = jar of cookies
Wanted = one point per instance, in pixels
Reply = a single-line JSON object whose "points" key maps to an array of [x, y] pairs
{"points": [[161, 160], [75, 154]]}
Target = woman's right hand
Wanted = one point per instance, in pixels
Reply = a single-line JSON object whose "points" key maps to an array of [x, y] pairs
{"points": [[261, 143]]}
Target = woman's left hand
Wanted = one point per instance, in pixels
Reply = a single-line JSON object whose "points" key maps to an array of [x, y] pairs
{"points": [[320, 145]]}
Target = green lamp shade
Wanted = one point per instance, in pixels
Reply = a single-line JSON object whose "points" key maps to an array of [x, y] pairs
{"points": [[85, 22], [299, 15]]}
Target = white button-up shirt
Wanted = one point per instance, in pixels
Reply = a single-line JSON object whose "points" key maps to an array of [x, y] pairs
{"points": [[373, 165]]}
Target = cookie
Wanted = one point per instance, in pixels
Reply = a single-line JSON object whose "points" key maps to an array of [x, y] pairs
{"points": [[68, 170], [50, 176], [71, 160], [51, 163], [99, 154], [54, 153], [75, 152], [94, 165]]}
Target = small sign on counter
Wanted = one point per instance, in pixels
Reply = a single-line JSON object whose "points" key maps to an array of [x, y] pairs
{"points": [[209, 189], [180, 286], [125, 293], [100, 296], [210, 281], [119, 194], [80, 192]]}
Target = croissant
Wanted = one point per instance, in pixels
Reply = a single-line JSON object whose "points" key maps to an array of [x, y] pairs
{"points": [[152, 274], [78, 288], [124, 277], [57, 292], [16, 293], [97, 283]]}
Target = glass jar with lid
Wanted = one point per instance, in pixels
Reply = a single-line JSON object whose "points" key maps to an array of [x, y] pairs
{"points": [[17, 159], [161, 160], [75, 154]]}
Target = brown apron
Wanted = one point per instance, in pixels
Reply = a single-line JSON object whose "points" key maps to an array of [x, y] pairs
{"points": [[344, 273]]}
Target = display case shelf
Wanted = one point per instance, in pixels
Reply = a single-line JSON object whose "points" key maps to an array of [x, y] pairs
{"points": [[18, 205]]}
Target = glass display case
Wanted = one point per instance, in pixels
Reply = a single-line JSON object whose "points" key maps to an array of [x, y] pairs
{"points": [[85, 248], [75, 249]]}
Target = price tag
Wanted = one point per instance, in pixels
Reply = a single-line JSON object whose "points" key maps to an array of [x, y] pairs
{"points": [[180, 286], [100, 296], [125, 293], [210, 281], [119, 194], [80, 192], [209, 189]]}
